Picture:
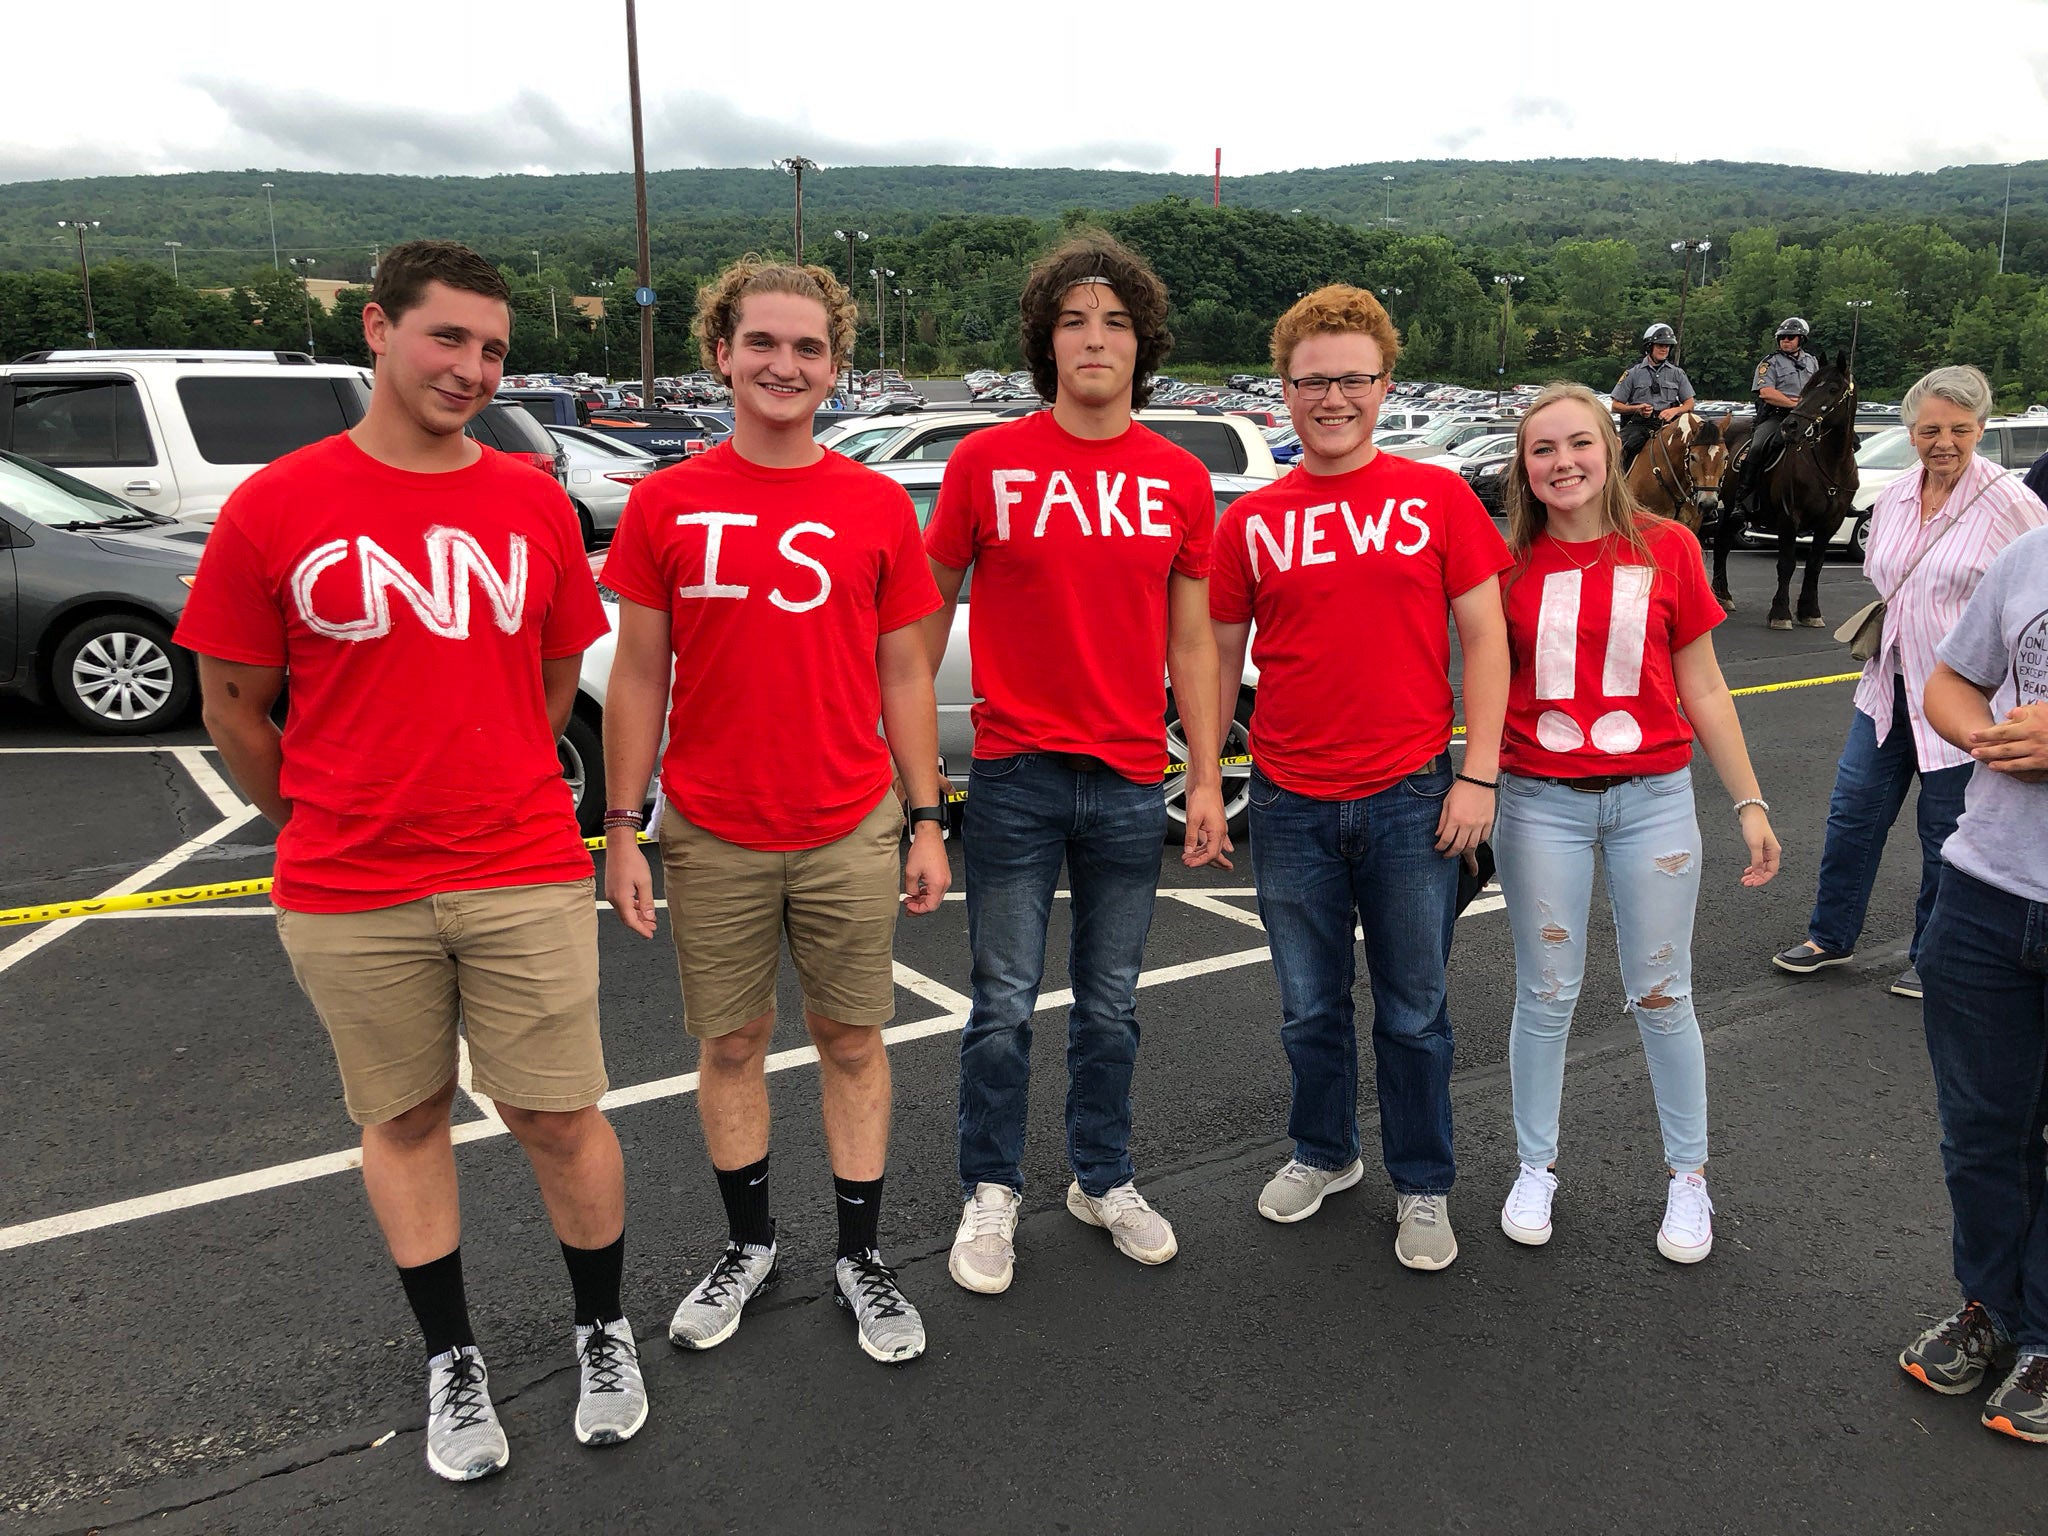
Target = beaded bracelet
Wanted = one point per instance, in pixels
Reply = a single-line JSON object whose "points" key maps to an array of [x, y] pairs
{"points": [[1466, 778], [1753, 800]]}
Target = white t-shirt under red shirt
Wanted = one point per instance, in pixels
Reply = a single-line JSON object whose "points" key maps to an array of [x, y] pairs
{"points": [[1349, 580], [1072, 541], [778, 584], [1592, 630], [412, 612]]}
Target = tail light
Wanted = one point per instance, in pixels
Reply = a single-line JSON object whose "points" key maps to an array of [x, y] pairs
{"points": [[693, 445], [544, 462], [630, 476]]}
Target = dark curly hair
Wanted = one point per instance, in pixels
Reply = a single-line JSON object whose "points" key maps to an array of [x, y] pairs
{"points": [[718, 303], [1094, 253]]}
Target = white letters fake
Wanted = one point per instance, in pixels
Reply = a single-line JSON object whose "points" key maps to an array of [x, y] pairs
{"points": [[1060, 492], [1366, 532], [714, 525]]}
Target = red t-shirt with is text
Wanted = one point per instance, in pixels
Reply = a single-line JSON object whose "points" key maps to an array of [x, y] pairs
{"points": [[1072, 541], [1348, 579], [1592, 630], [412, 612], [778, 584]]}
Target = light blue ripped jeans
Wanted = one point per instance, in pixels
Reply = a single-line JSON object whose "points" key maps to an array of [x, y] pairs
{"points": [[1544, 840]]}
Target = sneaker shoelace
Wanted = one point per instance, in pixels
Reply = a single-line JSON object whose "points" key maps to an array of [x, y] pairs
{"points": [[1427, 1210], [604, 1359], [1969, 1329], [1688, 1206], [726, 1275], [1122, 1201], [463, 1402], [1532, 1192], [989, 1218], [2032, 1376], [876, 1283], [1298, 1172]]}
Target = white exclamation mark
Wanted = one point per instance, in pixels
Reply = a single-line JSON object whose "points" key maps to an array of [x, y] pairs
{"points": [[1557, 658]]}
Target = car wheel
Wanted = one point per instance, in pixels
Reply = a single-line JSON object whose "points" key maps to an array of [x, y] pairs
{"points": [[1859, 537], [589, 525], [119, 675], [581, 749], [1237, 779]]}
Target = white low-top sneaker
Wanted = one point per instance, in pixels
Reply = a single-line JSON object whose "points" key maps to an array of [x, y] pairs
{"points": [[1138, 1231], [1687, 1235], [1526, 1216], [984, 1256]]}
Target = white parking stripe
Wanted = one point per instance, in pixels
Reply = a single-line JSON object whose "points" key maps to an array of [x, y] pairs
{"points": [[51, 751], [931, 991], [211, 784]]}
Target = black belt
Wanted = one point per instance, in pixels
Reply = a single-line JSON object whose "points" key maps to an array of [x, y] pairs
{"points": [[1078, 762], [1596, 784]]}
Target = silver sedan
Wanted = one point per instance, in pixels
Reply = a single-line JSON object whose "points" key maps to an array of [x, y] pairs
{"points": [[601, 475]]}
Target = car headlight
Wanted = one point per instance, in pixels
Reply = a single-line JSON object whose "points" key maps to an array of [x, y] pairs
{"points": [[1490, 471]]}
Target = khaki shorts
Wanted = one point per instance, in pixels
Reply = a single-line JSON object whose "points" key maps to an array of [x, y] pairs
{"points": [[729, 906], [514, 967]]}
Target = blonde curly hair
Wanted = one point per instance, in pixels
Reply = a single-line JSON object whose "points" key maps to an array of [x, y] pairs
{"points": [[718, 304], [1335, 309]]}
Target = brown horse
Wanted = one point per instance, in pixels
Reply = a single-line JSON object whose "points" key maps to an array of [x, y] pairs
{"points": [[1805, 489], [1678, 473]]}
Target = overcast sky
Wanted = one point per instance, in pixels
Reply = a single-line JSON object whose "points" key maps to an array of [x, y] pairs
{"points": [[439, 88]]}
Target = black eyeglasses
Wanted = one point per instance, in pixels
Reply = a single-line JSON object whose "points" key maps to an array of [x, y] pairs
{"points": [[1356, 385]]}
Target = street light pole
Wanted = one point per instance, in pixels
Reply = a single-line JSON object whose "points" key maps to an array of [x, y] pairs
{"points": [[796, 165], [604, 322], [2004, 220], [1685, 286], [173, 247], [536, 266], [271, 208], [643, 270], [79, 227], [1389, 181], [1500, 373], [881, 315], [903, 324], [1856, 308], [376, 257], [306, 294], [852, 237]]}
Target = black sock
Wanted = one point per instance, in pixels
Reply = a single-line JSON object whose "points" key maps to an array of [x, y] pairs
{"points": [[435, 1291], [860, 1214], [745, 1193], [594, 1275]]}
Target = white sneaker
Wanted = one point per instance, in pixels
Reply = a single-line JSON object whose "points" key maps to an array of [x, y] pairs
{"points": [[1687, 1235], [1138, 1231], [984, 1256], [1526, 1216]]}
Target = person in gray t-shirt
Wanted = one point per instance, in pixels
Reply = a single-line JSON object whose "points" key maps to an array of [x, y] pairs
{"points": [[1984, 962], [1651, 393]]}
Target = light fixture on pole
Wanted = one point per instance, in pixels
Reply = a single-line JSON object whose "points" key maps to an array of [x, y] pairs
{"points": [[1685, 284], [271, 208], [172, 246], [306, 293], [903, 325], [796, 165], [78, 227], [1506, 282], [1856, 308], [881, 315], [1389, 183]]}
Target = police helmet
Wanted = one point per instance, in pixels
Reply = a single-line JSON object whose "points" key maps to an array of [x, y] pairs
{"points": [[1794, 327], [1660, 335]]}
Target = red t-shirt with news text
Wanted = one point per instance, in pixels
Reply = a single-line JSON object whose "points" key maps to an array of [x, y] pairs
{"points": [[778, 584], [1072, 541], [1348, 580], [1592, 631], [412, 613]]}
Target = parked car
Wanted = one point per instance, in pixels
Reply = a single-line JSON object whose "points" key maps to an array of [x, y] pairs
{"points": [[602, 474], [668, 436], [1471, 451], [93, 586], [1445, 435], [1225, 444], [550, 407]]}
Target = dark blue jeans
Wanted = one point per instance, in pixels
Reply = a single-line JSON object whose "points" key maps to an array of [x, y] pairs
{"points": [[1323, 867], [1985, 965], [1870, 785], [1025, 816]]}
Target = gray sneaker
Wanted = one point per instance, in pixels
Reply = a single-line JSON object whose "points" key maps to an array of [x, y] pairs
{"points": [[1296, 1192], [710, 1314], [886, 1324], [1138, 1231], [613, 1403], [464, 1441], [1908, 985], [984, 1256], [1425, 1240]]}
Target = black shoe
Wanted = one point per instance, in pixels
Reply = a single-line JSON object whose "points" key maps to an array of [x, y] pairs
{"points": [[1908, 985], [1806, 957], [1953, 1356]]}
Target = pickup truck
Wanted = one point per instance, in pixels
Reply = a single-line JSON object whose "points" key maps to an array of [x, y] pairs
{"points": [[549, 407], [669, 436]]}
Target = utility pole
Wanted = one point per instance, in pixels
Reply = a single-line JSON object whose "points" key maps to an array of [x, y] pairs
{"points": [[376, 257], [852, 237], [881, 315], [271, 208], [306, 294], [1507, 283], [796, 165], [643, 270], [1685, 285], [78, 227], [1389, 182], [903, 327], [2004, 220], [173, 247], [1856, 308]]}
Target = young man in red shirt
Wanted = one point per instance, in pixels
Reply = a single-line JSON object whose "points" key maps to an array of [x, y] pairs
{"points": [[430, 600], [1088, 534], [782, 586], [1350, 566]]}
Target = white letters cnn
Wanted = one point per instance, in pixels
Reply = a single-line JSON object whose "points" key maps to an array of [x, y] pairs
{"points": [[454, 560]]}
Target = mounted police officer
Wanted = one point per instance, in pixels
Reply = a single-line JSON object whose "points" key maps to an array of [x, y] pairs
{"points": [[1651, 393], [1780, 378]]}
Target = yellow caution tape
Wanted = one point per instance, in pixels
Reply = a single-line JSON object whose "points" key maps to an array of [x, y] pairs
{"points": [[143, 901]]}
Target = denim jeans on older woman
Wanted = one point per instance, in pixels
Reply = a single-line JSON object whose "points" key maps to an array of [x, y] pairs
{"points": [[1544, 840]]}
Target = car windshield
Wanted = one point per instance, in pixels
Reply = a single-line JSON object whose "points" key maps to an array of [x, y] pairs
{"points": [[50, 497], [1890, 449]]}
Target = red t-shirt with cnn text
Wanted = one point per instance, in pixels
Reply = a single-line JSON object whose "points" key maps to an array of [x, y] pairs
{"points": [[1592, 630], [1348, 580], [412, 613], [778, 584], [1072, 541]]}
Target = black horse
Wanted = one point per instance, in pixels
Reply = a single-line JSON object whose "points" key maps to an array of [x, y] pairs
{"points": [[1806, 488]]}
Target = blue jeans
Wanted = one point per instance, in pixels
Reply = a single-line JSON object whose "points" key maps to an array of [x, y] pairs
{"points": [[1321, 867], [1544, 840], [1025, 815], [1870, 785], [1984, 962]]}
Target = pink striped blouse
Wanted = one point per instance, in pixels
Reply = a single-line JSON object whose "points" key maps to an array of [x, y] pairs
{"points": [[1994, 509]]}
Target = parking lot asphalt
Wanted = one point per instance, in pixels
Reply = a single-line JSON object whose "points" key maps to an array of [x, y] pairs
{"points": [[204, 1333]]}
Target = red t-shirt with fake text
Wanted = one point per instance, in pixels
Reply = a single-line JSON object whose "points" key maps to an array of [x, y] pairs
{"points": [[1072, 541], [412, 613]]}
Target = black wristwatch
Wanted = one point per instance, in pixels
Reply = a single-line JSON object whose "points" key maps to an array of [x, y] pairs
{"points": [[927, 813]]}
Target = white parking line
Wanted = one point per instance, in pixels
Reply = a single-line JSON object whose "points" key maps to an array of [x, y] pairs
{"points": [[50, 751], [211, 784]]}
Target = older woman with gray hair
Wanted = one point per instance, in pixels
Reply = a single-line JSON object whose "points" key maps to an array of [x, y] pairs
{"points": [[1932, 533]]}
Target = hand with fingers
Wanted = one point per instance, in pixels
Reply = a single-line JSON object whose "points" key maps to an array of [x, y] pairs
{"points": [[1466, 819]]}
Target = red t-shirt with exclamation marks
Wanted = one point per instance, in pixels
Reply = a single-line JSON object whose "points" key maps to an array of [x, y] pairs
{"points": [[1592, 630]]}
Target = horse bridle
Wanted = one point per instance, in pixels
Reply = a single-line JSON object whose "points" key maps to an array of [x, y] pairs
{"points": [[1808, 429], [1660, 464]]}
